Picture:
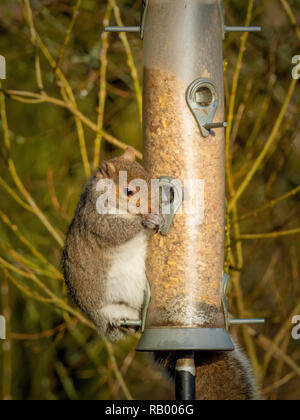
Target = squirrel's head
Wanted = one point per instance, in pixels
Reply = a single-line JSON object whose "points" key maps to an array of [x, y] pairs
{"points": [[132, 182]]}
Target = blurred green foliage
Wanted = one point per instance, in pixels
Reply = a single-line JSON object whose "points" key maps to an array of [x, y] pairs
{"points": [[69, 361]]}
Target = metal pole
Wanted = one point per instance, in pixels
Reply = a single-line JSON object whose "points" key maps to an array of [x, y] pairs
{"points": [[185, 379], [122, 29], [242, 28], [227, 28]]}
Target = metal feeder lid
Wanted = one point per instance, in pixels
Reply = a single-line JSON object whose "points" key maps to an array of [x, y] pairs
{"points": [[185, 339]]}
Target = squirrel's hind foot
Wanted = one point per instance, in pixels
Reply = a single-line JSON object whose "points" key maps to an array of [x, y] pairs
{"points": [[112, 320]]}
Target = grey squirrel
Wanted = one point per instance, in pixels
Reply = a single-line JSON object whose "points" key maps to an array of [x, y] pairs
{"points": [[104, 265], [104, 256]]}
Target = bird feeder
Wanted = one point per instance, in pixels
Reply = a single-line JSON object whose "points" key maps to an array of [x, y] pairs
{"points": [[184, 140], [184, 131]]}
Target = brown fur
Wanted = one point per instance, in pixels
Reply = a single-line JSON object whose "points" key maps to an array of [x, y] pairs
{"points": [[219, 375]]}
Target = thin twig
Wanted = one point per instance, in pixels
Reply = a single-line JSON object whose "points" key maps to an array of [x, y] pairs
{"points": [[285, 329], [15, 196], [41, 335], [238, 259], [130, 60], [64, 86], [278, 384], [291, 15], [268, 206], [14, 228], [16, 178], [271, 235], [48, 99], [34, 43], [267, 146], [267, 344], [233, 98], [67, 39], [116, 370], [103, 86], [7, 363], [66, 308]]}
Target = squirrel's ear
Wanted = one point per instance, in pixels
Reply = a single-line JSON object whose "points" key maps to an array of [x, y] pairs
{"points": [[129, 155], [106, 170]]}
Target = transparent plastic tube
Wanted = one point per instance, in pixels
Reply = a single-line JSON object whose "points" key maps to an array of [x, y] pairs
{"points": [[182, 43]]}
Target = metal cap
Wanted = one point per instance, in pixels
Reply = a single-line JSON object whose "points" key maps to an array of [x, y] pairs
{"points": [[185, 339]]}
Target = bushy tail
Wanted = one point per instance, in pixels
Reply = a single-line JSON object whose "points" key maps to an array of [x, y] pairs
{"points": [[219, 375]]}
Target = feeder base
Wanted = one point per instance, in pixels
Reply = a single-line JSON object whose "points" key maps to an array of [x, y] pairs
{"points": [[185, 339]]}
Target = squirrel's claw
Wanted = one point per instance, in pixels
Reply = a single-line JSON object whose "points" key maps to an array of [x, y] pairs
{"points": [[154, 222], [106, 170]]}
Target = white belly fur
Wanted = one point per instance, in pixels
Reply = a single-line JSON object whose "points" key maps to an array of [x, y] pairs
{"points": [[126, 281]]}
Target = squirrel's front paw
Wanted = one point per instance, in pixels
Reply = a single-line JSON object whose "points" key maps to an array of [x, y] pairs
{"points": [[154, 221]]}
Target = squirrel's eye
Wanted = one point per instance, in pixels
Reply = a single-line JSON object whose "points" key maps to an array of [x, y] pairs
{"points": [[129, 192]]}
